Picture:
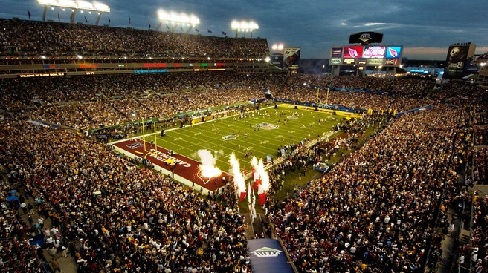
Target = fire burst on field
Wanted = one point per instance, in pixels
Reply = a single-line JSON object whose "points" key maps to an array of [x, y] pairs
{"points": [[261, 179], [260, 184], [207, 168], [239, 180]]}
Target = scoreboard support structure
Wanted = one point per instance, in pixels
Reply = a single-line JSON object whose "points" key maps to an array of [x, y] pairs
{"points": [[365, 59]]}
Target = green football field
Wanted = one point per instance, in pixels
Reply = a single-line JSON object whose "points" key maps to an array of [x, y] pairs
{"points": [[258, 135]]}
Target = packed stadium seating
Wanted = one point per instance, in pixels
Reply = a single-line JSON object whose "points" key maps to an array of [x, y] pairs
{"points": [[52, 39], [369, 213]]}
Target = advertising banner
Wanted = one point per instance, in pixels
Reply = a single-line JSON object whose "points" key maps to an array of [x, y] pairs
{"points": [[353, 52], [362, 62], [335, 61], [457, 60], [277, 59], [392, 62], [336, 53], [375, 61], [291, 57], [374, 52], [393, 52], [457, 56]]}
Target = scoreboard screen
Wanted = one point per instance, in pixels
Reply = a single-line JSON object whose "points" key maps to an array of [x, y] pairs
{"points": [[367, 55], [375, 52], [336, 52], [393, 52], [353, 52]]}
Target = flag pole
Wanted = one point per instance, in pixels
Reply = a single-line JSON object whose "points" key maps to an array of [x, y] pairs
{"points": [[143, 139], [155, 145], [327, 97]]}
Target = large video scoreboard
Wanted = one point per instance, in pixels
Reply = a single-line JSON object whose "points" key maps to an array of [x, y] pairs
{"points": [[367, 55], [459, 58]]}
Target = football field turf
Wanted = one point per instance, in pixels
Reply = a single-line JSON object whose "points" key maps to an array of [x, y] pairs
{"points": [[260, 134]]}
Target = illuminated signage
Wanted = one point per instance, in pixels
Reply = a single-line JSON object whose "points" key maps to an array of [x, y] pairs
{"points": [[362, 62], [393, 52], [54, 74], [89, 66], [374, 52], [391, 62], [375, 61], [349, 61], [336, 52], [335, 61], [155, 65], [152, 71], [353, 51]]}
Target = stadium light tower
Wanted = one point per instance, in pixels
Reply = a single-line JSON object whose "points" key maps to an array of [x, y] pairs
{"points": [[243, 26], [277, 47], [178, 19], [75, 5]]}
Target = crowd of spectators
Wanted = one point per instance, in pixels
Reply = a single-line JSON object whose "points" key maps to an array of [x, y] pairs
{"points": [[94, 101], [33, 38], [481, 134], [310, 152], [378, 210], [373, 210], [479, 170], [479, 240], [480, 152], [112, 216], [471, 255], [386, 192], [16, 253]]}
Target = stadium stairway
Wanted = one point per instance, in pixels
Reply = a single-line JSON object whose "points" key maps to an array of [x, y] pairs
{"points": [[84, 113], [66, 264], [449, 245], [118, 111], [141, 105]]}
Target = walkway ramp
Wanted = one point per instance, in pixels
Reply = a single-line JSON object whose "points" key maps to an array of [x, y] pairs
{"points": [[267, 256]]}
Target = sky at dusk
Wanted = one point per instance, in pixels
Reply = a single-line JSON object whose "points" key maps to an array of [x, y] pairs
{"points": [[425, 28]]}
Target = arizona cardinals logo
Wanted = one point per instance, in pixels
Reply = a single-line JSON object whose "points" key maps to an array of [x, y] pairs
{"points": [[393, 52], [353, 53]]}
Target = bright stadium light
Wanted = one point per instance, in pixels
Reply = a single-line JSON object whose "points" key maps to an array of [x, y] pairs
{"points": [[101, 7], [277, 47], [243, 26], [48, 2], [74, 5], [178, 18], [68, 4], [85, 5]]}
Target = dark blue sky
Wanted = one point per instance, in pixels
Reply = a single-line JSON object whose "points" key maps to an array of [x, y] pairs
{"points": [[424, 27]]}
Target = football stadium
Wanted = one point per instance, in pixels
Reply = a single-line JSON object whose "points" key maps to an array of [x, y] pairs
{"points": [[155, 150]]}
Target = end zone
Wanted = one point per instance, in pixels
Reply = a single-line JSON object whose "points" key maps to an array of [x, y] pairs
{"points": [[180, 167]]}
